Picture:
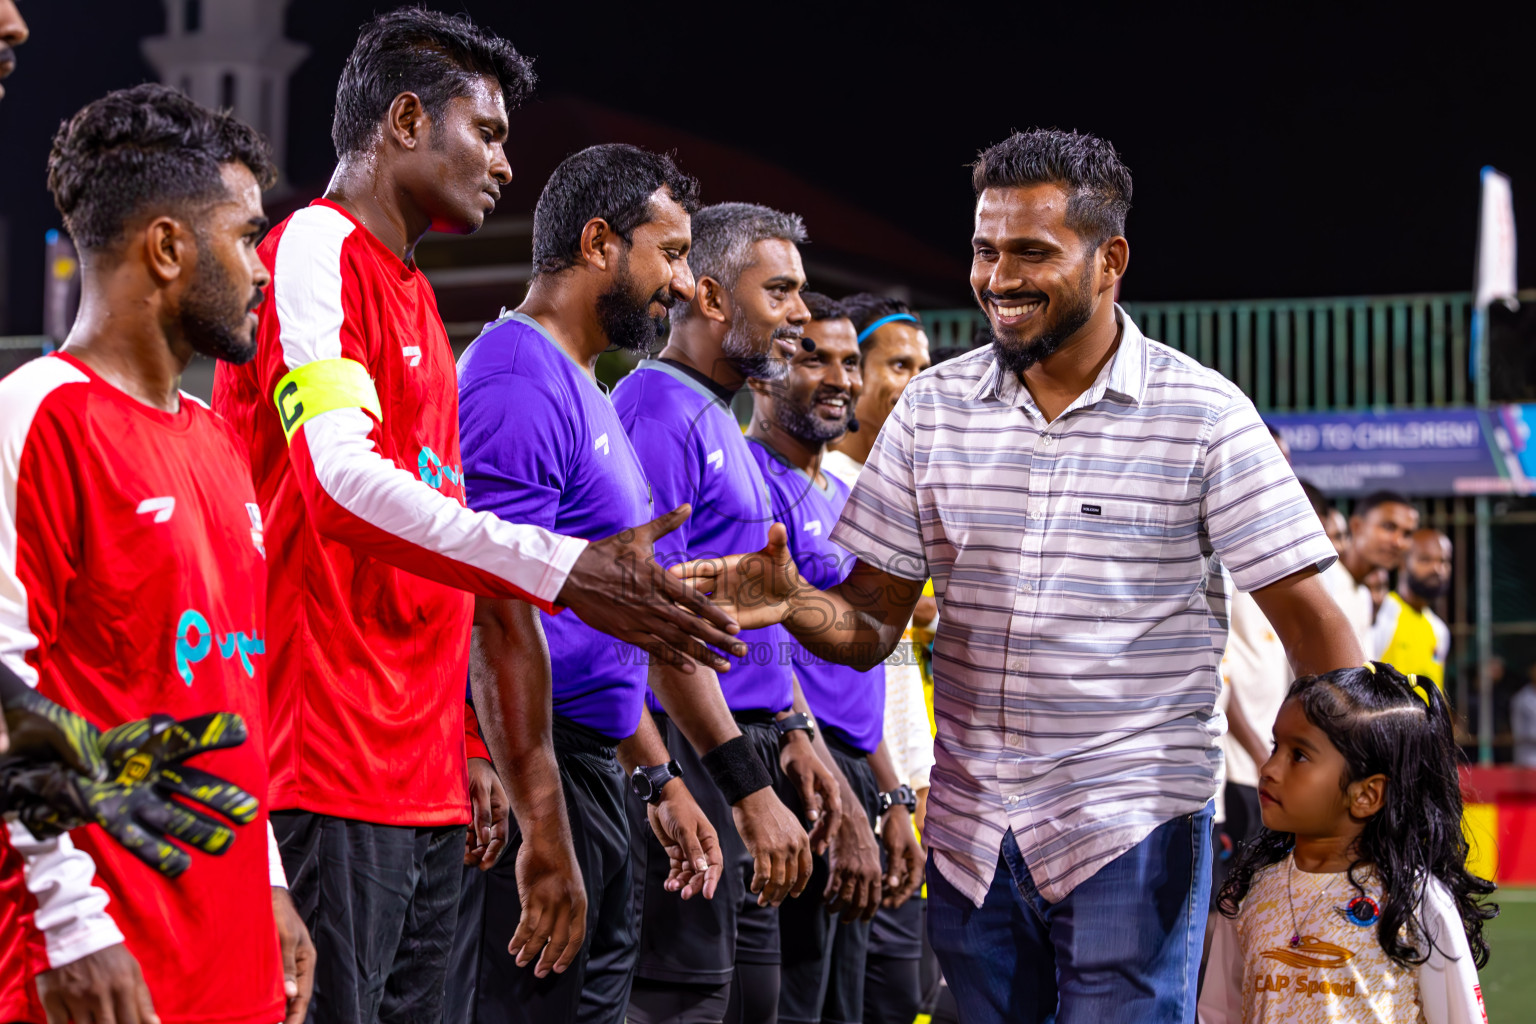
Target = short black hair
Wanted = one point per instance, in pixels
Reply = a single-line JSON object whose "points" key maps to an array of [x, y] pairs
{"points": [[434, 55], [148, 148], [864, 308], [1375, 500], [614, 181], [823, 307], [1097, 183]]}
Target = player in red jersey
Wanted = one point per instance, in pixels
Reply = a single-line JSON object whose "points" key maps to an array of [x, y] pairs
{"points": [[131, 566], [352, 410]]}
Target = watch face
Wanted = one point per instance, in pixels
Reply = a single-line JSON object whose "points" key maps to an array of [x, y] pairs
{"points": [[642, 785]]}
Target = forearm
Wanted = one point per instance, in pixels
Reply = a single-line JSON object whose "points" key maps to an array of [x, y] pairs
{"points": [[818, 743], [1317, 635], [645, 747], [356, 496], [859, 622], [885, 771], [509, 678], [693, 700], [1244, 731]]}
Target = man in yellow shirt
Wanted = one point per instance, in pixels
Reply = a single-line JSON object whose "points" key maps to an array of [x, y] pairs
{"points": [[1407, 632]]}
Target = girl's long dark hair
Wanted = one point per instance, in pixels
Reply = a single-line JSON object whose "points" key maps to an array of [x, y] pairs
{"points": [[1379, 721]]}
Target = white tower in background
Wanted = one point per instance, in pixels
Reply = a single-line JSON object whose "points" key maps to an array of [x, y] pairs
{"points": [[231, 54]]}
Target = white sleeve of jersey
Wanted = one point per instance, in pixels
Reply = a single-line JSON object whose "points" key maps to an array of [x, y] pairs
{"points": [[71, 912], [1449, 991]]}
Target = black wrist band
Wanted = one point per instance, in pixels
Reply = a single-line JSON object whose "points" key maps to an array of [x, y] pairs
{"points": [[737, 769]]}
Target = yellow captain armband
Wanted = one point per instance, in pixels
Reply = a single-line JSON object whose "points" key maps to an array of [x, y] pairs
{"points": [[321, 386]]}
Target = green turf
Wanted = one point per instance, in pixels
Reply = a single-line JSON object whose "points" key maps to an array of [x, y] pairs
{"points": [[1509, 983]]}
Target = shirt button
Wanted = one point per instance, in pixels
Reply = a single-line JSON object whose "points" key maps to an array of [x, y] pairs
{"points": [[1026, 586], [1012, 801], [1037, 514], [1014, 740], [1046, 439]]}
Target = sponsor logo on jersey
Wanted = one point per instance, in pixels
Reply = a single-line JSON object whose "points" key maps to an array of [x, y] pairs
{"points": [[813, 527], [412, 354], [258, 535], [195, 640], [601, 442], [433, 472], [1310, 952], [716, 459], [161, 507]]}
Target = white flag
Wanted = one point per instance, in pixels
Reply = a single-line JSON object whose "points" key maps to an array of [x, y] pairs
{"points": [[1496, 240]]}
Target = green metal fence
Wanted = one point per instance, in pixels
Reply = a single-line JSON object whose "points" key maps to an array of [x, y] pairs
{"points": [[1292, 355]]}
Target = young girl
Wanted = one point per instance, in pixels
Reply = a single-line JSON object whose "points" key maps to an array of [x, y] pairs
{"points": [[1354, 904]]}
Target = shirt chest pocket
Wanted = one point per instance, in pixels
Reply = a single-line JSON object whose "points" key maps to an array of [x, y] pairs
{"points": [[1103, 556]]}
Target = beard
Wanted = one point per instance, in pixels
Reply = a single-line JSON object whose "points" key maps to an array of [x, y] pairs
{"points": [[801, 423], [212, 318], [1428, 588], [623, 317], [751, 357], [1016, 352]]}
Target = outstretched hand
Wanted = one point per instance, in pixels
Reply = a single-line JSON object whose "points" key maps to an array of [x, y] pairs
{"points": [[617, 587], [755, 588]]}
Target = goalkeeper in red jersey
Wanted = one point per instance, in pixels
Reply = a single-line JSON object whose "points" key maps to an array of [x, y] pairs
{"points": [[132, 588]]}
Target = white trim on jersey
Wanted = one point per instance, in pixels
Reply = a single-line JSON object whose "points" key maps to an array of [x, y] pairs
{"points": [[71, 910], [307, 292]]}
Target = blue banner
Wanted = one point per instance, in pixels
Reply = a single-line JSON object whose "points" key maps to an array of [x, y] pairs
{"points": [[1419, 452]]}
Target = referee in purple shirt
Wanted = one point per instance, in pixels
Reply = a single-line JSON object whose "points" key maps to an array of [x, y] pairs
{"points": [[560, 704], [824, 970], [1080, 494]]}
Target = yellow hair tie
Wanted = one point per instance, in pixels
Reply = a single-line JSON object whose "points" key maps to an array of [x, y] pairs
{"points": [[1418, 688], [1370, 667]]}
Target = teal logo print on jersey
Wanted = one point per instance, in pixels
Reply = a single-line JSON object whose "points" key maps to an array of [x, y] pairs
{"points": [[432, 471], [194, 642]]}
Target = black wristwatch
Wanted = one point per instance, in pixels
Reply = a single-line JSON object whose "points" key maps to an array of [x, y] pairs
{"points": [[797, 721], [648, 779], [902, 795]]}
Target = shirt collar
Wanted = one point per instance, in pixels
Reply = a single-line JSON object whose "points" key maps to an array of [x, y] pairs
{"points": [[1125, 375]]}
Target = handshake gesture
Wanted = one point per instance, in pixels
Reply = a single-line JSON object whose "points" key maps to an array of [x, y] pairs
{"points": [[59, 772]]}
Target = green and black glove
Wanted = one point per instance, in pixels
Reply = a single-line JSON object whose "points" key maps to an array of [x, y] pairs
{"points": [[135, 806], [41, 730]]}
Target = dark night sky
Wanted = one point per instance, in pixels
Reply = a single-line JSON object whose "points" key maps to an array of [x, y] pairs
{"points": [[1318, 152]]}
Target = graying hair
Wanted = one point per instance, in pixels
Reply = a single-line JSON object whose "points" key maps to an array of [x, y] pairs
{"points": [[723, 237]]}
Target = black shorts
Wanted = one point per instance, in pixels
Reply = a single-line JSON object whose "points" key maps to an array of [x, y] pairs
{"points": [[822, 977], [698, 941], [380, 903], [485, 984]]}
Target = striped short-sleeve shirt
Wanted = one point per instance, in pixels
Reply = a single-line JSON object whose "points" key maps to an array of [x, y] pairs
{"points": [[1078, 564]]}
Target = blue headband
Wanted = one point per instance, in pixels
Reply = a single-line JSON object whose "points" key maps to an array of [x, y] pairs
{"points": [[866, 332]]}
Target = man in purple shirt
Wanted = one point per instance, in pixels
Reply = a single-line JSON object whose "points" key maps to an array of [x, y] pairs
{"points": [[823, 972], [561, 704], [745, 320]]}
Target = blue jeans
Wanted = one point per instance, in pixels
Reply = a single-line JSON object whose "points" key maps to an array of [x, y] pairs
{"points": [[1122, 948]]}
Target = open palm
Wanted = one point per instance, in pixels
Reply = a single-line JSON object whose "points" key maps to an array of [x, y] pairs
{"points": [[755, 587]]}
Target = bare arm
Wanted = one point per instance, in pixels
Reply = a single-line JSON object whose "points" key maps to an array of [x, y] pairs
{"points": [[1317, 636], [858, 622], [1245, 731], [690, 841], [509, 677], [781, 851]]}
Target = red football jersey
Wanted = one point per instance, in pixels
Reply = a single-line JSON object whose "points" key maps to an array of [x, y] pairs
{"points": [[351, 410], [132, 581]]}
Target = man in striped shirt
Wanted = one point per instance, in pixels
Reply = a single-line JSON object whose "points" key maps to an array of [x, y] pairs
{"points": [[1075, 490]]}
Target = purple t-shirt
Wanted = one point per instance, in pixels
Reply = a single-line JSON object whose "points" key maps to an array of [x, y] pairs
{"points": [[691, 448], [848, 703], [542, 444]]}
